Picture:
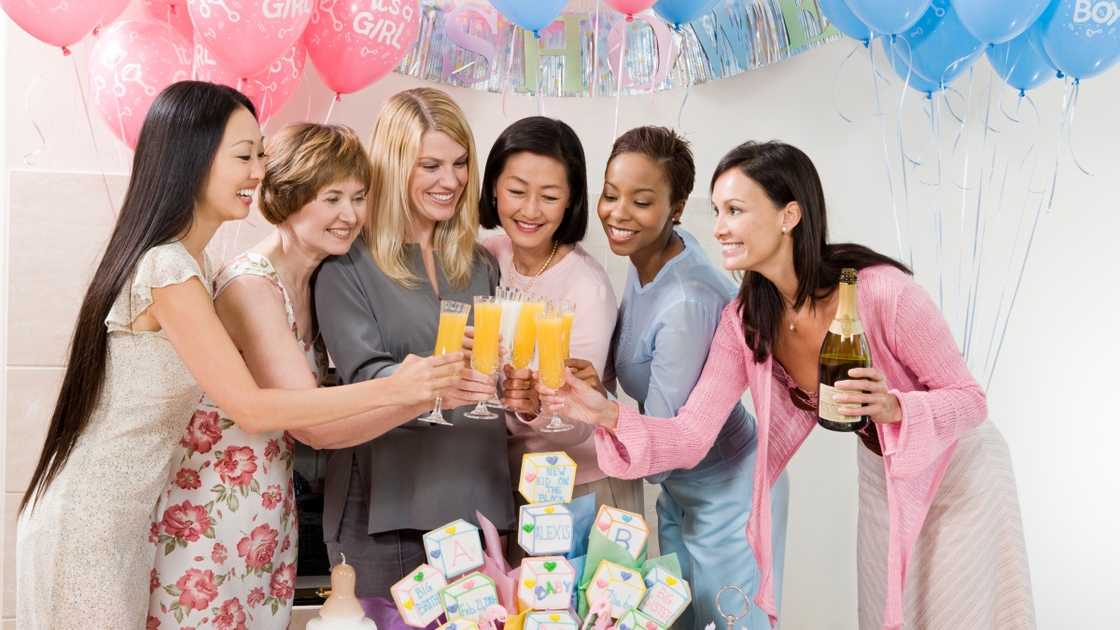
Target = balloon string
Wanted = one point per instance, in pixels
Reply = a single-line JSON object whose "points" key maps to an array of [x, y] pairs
{"points": [[621, 75], [30, 157], [330, 108], [886, 151], [938, 210], [1068, 127], [835, 84], [93, 138], [902, 144], [981, 227], [679, 36]]}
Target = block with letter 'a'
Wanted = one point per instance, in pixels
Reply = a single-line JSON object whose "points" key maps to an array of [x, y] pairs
{"points": [[454, 549]]}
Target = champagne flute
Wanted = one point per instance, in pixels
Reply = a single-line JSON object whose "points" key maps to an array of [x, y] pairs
{"points": [[484, 357], [449, 339], [525, 338], [510, 299], [552, 353]]}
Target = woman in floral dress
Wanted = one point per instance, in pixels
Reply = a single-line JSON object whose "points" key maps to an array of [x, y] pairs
{"points": [[226, 531]]}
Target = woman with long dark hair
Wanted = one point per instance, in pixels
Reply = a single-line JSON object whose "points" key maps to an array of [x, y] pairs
{"points": [[938, 508], [146, 345]]}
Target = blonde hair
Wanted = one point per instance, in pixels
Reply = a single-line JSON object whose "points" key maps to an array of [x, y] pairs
{"points": [[302, 159], [394, 149]]}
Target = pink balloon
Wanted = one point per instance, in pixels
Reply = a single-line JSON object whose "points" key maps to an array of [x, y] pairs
{"points": [[131, 63], [355, 43], [269, 89], [174, 13], [631, 8], [246, 35], [111, 10], [56, 22]]}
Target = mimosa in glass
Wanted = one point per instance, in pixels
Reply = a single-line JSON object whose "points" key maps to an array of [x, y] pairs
{"points": [[449, 339], [552, 351], [485, 356]]}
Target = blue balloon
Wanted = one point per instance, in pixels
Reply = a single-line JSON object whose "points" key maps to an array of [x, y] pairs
{"points": [[531, 15], [1020, 63], [917, 81], [889, 16], [938, 47], [679, 12], [841, 16], [1081, 37], [998, 21]]}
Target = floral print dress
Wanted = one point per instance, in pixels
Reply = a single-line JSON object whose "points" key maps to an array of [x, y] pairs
{"points": [[225, 533]]}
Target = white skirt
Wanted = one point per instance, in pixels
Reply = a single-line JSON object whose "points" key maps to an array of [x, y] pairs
{"points": [[968, 569]]}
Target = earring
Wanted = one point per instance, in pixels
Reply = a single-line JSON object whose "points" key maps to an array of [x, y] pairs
{"points": [[784, 229]]}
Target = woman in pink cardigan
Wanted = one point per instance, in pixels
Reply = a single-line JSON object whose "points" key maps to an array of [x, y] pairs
{"points": [[940, 536]]}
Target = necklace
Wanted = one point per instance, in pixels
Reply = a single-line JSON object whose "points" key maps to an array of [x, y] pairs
{"points": [[533, 279]]}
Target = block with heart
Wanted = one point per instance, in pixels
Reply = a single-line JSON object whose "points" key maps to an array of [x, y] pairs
{"points": [[635, 619], [547, 477], [621, 586], [468, 597], [550, 620], [545, 530], [461, 624], [667, 597], [417, 596], [546, 583], [627, 529], [454, 549]]}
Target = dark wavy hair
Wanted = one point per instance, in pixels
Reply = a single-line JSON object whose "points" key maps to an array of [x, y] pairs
{"points": [[550, 138], [786, 174], [177, 143]]}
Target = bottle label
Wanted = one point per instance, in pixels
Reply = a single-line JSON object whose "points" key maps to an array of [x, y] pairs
{"points": [[846, 327], [829, 409]]}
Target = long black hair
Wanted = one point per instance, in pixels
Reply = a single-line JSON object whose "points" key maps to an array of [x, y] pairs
{"points": [[180, 136], [786, 174], [547, 137]]}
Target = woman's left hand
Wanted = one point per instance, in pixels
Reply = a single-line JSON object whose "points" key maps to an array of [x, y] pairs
{"points": [[468, 345], [867, 394]]}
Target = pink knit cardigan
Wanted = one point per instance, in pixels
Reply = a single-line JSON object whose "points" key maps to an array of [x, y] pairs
{"points": [[910, 343]]}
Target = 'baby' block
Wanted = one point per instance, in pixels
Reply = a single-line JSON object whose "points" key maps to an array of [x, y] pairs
{"points": [[547, 477], [545, 530], [454, 549], [546, 583], [550, 620], [417, 596], [469, 597], [637, 620], [667, 597], [622, 587], [627, 529]]}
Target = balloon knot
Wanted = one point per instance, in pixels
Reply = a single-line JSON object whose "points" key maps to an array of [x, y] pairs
{"points": [[629, 17], [65, 51], [338, 97]]}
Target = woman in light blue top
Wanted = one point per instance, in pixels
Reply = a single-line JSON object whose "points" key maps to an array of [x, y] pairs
{"points": [[670, 308]]}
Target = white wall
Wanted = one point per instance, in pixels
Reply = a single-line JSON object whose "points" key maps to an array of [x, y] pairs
{"points": [[1049, 396]]}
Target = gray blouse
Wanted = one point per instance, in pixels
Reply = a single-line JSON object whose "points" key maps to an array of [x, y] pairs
{"points": [[420, 476]]}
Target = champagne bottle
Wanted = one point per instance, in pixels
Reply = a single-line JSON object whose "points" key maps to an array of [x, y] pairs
{"points": [[845, 347]]}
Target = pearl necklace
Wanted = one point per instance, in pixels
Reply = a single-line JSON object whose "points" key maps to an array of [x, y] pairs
{"points": [[533, 279]]}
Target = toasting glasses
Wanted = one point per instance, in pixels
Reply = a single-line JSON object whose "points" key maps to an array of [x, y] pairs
{"points": [[449, 339], [554, 332], [485, 355]]}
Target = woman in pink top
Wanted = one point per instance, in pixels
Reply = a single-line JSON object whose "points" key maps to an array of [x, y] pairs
{"points": [[940, 536], [535, 189]]}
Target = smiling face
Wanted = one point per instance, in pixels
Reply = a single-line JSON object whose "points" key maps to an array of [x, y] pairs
{"points": [[533, 196], [329, 223], [438, 177], [635, 207], [236, 171], [749, 225]]}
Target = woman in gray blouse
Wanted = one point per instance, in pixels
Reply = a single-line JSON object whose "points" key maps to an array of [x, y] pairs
{"points": [[380, 302]]}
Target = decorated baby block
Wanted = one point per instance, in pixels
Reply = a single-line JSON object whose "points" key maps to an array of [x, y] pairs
{"points": [[547, 477], [545, 530], [667, 597], [635, 619], [550, 620], [469, 597], [454, 549], [546, 583], [627, 529], [417, 596], [622, 586]]}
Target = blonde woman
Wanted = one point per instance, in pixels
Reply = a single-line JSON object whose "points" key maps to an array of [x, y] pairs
{"points": [[378, 303]]}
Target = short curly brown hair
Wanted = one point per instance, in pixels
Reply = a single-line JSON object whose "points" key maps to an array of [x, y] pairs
{"points": [[302, 159]]}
